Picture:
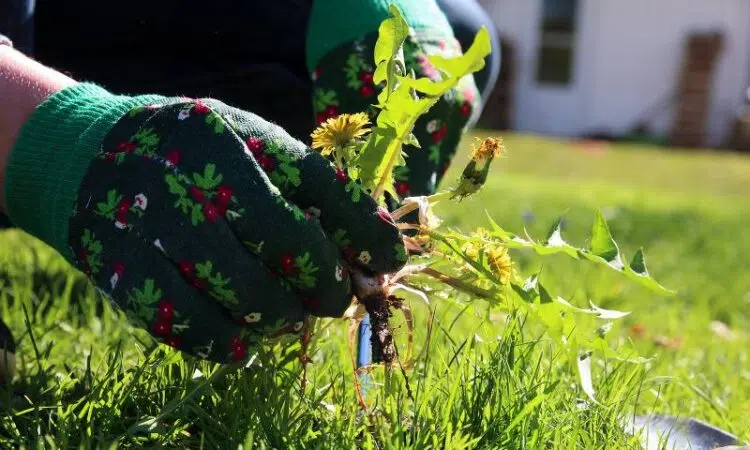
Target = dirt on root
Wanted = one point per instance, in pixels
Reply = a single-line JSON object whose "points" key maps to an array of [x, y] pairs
{"points": [[379, 308]]}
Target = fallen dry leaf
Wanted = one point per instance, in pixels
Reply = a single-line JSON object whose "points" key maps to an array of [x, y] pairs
{"points": [[722, 330], [672, 343], [638, 331]]}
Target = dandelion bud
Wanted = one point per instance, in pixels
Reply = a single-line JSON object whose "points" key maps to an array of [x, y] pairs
{"points": [[475, 173]]}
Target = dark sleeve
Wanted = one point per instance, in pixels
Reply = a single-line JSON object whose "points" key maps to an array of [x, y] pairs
{"points": [[17, 23]]}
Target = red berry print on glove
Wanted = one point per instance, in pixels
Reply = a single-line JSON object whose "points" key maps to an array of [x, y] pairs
{"points": [[187, 270], [255, 146], [367, 90], [200, 108], [173, 157], [162, 328], [196, 194], [332, 111], [198, 284], [125, 147], [342, 176], [402, 188], [440, 134], [239, 348], [165, 310], [122, 213], [173, 341], [266, 162], [366, 77], [211, 212], [287, 264]]}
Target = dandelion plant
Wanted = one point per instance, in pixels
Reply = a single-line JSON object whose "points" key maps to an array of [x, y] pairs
{"points": [[478, 264]]}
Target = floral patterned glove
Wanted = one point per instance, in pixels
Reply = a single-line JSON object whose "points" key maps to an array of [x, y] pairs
{"points": [[343, 70], [207, 224]]}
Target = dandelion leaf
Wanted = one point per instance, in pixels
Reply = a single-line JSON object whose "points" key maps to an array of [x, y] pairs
{"points": [[602, 250]]}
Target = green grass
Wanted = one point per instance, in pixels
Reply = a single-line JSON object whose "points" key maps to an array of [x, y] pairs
{"points": [[482, 379]]}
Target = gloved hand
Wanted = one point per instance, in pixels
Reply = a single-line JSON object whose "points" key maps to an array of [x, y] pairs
{"points": [[207, 224], [340, 49]]}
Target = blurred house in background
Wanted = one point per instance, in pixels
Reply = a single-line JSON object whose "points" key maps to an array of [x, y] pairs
{"points": [[678, 69]]}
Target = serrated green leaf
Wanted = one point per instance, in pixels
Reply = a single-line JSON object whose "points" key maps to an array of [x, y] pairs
{"points": [[554, 237], [292, 174], [427, 86], [528, 290], [174, 186], [389, 54], [212, 184], [584, 372], [471, 61], [340, 238], [544, 296], [602, 244], [412, 140], [638, 264], [399, 103], [532, 291], [203, 270], [196, 215], [381, 147], [96, 247], [607, 314]]}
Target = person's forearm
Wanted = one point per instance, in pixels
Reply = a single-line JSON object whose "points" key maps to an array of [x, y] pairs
{"points": [[24, 84]]}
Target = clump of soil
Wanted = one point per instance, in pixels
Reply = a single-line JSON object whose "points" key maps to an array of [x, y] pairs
{"points": [[381, 338], [371, 291]]}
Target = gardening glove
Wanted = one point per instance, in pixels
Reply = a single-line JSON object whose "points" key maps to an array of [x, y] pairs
{"points": [[208, 225], [340, 52]]}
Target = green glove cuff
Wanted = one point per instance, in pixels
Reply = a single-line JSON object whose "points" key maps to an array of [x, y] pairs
{"points": [[336, 22], [52, 153]]}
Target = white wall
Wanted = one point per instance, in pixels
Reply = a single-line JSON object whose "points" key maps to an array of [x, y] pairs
{"points": [[542, 109], [629, 56]]}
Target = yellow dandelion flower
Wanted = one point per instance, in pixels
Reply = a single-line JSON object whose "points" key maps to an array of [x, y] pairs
{"points": [[500, 262], [338, 132], [496, 255], [482, 232], [471, 249]]}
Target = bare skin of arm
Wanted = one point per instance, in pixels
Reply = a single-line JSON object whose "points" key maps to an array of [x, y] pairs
{"points": [[24, 84]]}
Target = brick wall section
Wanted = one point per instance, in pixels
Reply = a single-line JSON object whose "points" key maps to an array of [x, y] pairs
{"points": [[694, 90]]}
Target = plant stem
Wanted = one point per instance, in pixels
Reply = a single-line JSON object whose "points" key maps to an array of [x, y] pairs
{"points": [[394, 152], [412, 206], [458, 284]]}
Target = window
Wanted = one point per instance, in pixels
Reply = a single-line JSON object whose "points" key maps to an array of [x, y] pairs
{"points": [[557, 42]]}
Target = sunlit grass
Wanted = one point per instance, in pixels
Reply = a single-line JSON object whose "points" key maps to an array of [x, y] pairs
{"points": [[481, 379]]}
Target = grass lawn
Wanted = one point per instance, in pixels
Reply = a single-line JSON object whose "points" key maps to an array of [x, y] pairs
{"points": [[481, 379]]}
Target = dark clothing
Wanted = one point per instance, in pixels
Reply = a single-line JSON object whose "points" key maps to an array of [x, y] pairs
{"points": [[249, 54]]}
